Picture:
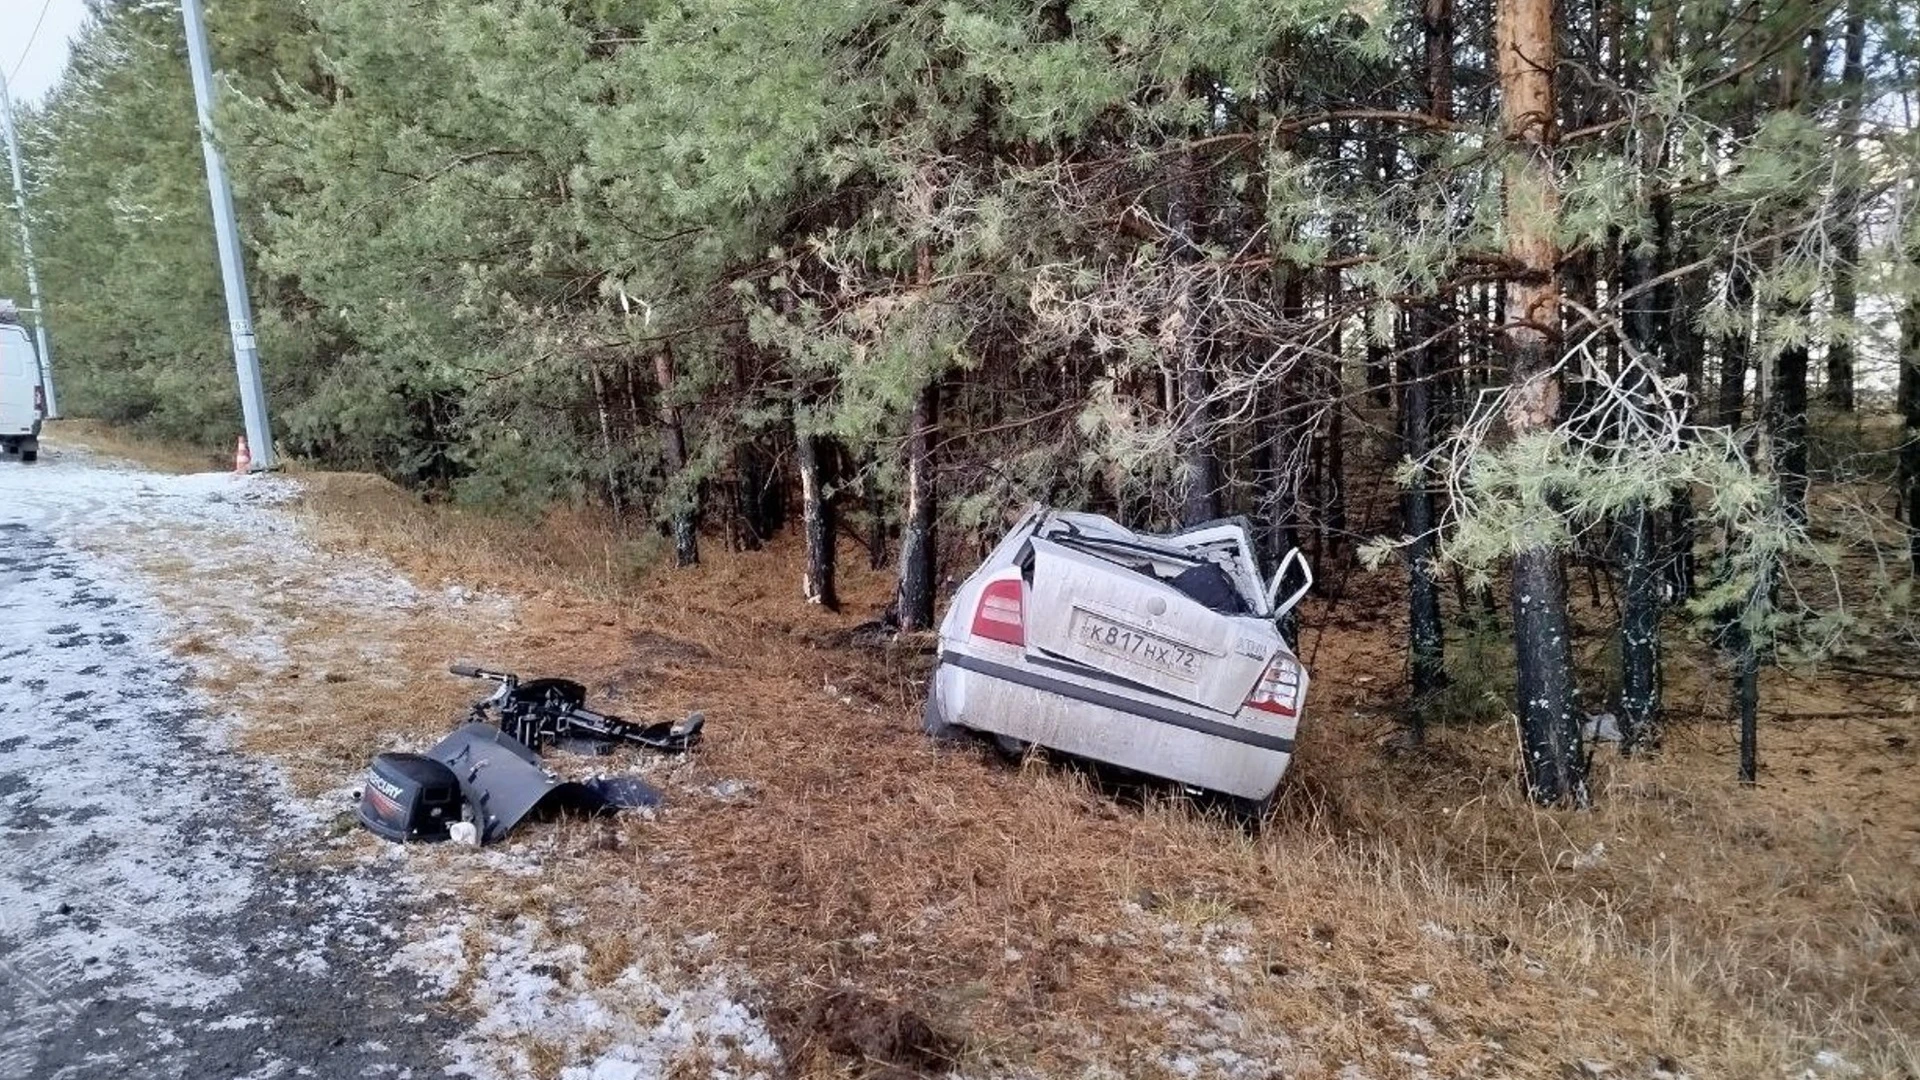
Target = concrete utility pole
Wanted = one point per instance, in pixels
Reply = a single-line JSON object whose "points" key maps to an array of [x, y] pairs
{"points": [[26, 248], [246, 357]]}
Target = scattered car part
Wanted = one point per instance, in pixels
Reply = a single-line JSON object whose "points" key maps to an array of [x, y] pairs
{"points": [[539, 712], [1161, 654]]}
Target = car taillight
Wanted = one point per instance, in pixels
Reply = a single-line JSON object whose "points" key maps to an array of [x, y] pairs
{"points": [[1278, 690], [1001, 615], [40, 399]]}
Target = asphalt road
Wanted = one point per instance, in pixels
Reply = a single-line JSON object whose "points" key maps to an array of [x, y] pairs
{"points": [[161, 913]]}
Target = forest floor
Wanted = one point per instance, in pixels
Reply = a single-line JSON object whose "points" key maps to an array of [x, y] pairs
{"points": [[827, 893]]}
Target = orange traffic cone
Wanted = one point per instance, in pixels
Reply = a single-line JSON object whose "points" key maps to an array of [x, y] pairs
{"points": [[242, 459]]}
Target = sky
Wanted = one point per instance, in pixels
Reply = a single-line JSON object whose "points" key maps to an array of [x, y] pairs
{"points": [[32, 69]]}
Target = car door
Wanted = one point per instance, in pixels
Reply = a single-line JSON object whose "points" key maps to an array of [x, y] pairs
{"points": [[19, 376]]}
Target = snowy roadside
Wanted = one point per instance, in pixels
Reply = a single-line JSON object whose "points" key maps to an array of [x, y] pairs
{"points": [[199, 866]]}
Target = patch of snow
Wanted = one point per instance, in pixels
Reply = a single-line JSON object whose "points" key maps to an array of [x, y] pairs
{"points": [[523, 988], [1831, 1063], [1590, 858], [1601, 727], [123, 829]]}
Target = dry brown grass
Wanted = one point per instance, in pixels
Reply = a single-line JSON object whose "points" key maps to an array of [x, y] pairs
{"points": [[110, 441], [902, 905]]}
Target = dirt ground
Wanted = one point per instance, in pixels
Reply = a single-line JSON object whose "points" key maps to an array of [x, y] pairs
{"points": [[890, 908]]}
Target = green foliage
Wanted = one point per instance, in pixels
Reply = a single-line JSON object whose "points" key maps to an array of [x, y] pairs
{"points": [[480, 230]]}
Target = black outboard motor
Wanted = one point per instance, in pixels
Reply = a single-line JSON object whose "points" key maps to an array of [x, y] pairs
{"points": [[410, 797], [488, 772]]}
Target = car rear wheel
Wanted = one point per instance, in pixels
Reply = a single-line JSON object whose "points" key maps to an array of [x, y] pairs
{"points": [[29, 456], [1251, 813], [933, 717]]}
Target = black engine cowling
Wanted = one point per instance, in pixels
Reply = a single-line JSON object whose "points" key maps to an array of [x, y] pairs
{"points": [[410, 797]]}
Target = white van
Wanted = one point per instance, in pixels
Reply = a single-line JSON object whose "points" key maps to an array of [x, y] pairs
{"points": [[22, 399]]}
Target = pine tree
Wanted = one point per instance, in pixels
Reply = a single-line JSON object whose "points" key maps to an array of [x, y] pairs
{"points": [[1524, 44]]}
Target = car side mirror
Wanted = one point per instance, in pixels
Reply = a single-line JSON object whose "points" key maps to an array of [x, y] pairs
{"points": [[1279, 578]]}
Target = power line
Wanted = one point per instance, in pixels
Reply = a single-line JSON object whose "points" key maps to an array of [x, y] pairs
{"points": [[18, 64]]}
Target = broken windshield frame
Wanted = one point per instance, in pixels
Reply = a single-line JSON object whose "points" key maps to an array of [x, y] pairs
{"points": [[1204, 554]]}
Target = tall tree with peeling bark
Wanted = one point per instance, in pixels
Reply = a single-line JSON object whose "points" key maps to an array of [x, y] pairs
{"points": [[1525, 52]]}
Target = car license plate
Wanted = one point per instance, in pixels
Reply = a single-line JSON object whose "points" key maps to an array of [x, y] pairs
{"points": [[1117, 639]]}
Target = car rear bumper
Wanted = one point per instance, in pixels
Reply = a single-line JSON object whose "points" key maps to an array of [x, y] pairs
{"points": [[1077, 716]]}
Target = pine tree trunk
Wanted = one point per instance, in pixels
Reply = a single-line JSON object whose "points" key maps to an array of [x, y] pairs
{"points": [[763, 492], [1279, 445], [1736, 353], [1425, 630], [1746, 706], [682, 495], [1640, 585], [1380, 354], [1526, 57], [1199, 467], [1200, 493], [1379, 372], [1686, 352], [816, 457], [1433, 349], [1639, 632], [1787, 398], [1789, 422], [1846, 240], [616, 498], [1334, 498], [1649, 307], [1675, 304], [876, 519], [749, 530], [914, 601], [1909, 395]]}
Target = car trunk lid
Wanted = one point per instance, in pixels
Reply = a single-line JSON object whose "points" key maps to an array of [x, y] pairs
{"points": [[1091, 610]]}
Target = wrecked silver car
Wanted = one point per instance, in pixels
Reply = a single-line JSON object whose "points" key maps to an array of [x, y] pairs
{"points": [[1158, 654]]}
